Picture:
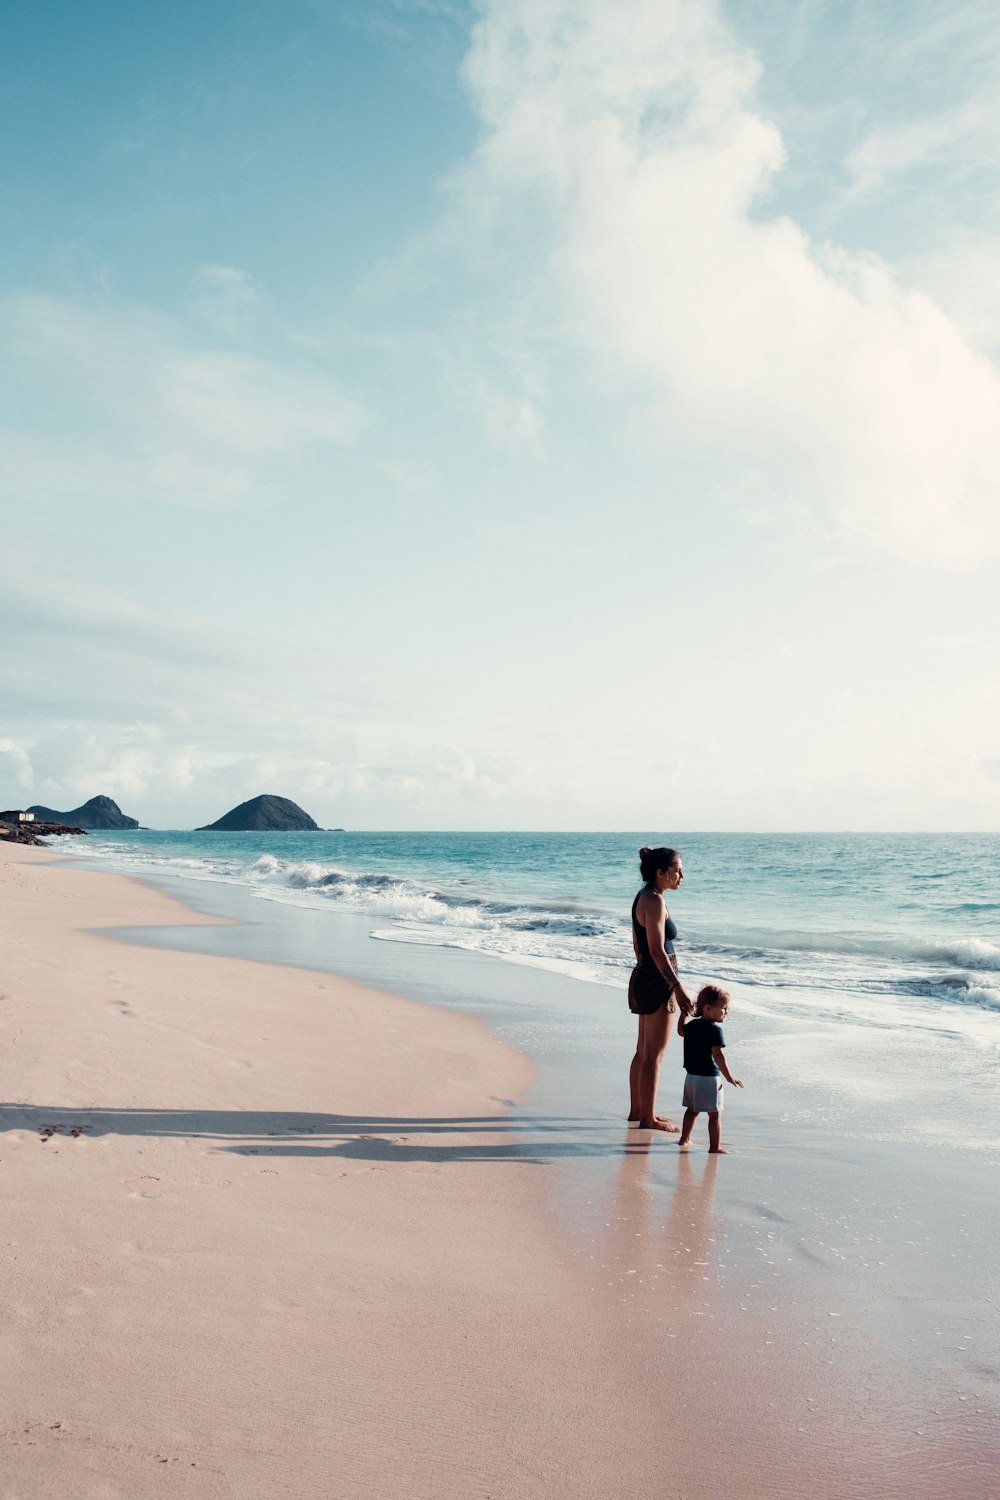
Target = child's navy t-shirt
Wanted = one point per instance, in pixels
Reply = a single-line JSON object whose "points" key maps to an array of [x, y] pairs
{"points": [[700, 1036]]}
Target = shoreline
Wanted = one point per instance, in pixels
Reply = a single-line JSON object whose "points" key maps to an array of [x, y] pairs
{"points": [[386, 1291]]}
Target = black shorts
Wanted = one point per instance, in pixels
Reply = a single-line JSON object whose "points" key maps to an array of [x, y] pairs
{"points": [[648, 990]]}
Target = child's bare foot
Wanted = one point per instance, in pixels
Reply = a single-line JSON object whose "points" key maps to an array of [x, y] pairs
{"points": [[684, 1145], [717, 1151]]}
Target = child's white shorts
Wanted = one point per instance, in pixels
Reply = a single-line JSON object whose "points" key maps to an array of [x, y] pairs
{"points": [[702, 1094]]}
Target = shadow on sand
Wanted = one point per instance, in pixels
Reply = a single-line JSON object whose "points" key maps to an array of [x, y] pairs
{"points": [[529, 1139]]}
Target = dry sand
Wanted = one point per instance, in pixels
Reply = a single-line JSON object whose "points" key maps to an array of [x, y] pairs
{"points": [[267, 1233]]}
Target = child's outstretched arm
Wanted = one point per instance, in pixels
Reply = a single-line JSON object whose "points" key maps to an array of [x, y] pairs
{"points": [[719, 1054]]}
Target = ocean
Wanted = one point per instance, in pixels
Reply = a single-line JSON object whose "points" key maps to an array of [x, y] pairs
{"points": [[910, 921]]}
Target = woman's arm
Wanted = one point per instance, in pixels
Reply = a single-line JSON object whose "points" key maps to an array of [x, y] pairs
{"points": [[683, 998], [654, 910]]}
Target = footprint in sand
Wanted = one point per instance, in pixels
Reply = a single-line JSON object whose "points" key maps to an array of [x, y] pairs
{"points": [[141, 1186], [48, 1131]]}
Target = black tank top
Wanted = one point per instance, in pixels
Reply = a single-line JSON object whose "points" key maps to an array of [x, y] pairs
{"points": [[641, 940]]}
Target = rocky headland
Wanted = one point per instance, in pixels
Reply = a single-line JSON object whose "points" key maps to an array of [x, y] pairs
{"points": [[99, 812], [33, 833]]}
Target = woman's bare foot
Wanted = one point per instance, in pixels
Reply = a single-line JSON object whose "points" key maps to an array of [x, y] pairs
{"points": [[656, 1123]]}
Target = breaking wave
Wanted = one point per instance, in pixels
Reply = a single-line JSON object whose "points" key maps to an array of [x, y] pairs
{"points": [[590, 940]]}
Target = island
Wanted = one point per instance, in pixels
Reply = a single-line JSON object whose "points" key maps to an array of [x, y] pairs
{"points": [[99, 812], [264, 814]]}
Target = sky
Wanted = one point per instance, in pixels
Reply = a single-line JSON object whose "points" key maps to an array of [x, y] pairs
{"points": [[560, 414]]}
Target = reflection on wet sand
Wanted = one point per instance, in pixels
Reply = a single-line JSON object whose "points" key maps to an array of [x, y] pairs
{"points": [[662, 1246]]}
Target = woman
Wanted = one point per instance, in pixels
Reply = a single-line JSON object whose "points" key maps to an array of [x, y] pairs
{"points": [[654, 989]]}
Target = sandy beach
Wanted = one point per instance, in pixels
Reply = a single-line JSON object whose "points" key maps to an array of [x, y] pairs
{"points": [[270, 1233]]}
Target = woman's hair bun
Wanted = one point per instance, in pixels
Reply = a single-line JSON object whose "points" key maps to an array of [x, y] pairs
{"points": [[651, 860]]}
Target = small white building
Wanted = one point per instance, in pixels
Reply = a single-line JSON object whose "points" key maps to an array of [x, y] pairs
{"points": [[17, 817]]}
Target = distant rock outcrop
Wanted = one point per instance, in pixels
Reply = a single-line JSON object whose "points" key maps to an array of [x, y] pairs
{"points": [[99, 812], [32, 833], [263, 815]]}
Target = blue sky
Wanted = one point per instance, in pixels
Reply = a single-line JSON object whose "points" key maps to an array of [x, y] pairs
{"points": [[504, 415]]}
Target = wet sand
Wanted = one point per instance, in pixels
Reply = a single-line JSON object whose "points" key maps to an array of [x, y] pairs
{"points": [[271, 1233]]}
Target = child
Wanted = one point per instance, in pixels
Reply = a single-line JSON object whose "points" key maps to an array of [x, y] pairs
{"points": [[704, 1060]]}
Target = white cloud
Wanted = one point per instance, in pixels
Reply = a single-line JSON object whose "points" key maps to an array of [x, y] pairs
{"points": [[409, 476], [962, 138], [629, 134], [164, 782], [510, 417], [963, 277], [178, 720], [939, 68], [227, 300], [131, 404], [78, 653], [15, 769]]}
